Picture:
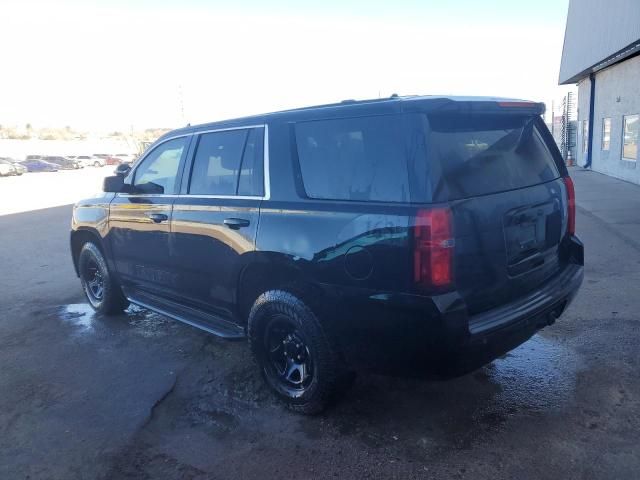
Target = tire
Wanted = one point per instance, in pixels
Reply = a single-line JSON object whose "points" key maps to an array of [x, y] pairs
{"points": [[102, 291], [96, 164], [295, 356]]}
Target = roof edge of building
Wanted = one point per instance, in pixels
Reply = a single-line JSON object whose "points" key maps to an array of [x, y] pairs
{"points": [[631, 50]]}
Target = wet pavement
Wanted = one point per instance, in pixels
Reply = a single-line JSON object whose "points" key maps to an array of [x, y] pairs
{"points": [[140, 396]]}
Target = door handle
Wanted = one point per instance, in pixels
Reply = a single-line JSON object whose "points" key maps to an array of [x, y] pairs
{"points": [[236, 223], [157, 217]]}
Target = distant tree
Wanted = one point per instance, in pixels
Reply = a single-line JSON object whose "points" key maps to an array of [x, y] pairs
{"points": [[28, 126]]}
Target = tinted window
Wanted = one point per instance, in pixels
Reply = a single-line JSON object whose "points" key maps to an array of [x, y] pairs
{"points": [[228, 163], [158, 171], [365, 158], [481, 154]]}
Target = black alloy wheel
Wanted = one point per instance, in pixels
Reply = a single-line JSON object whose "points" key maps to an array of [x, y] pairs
{"points": [[94, 281], [289, 366], [100, 287]]}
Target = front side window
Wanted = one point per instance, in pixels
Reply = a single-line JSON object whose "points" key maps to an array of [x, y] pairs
{"points": [[158, 171], [606, 133], [229, 163], [630, 130]]}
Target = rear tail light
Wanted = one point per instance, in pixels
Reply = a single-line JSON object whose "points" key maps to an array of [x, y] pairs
{"points": [[571, 206], [433, 248]]}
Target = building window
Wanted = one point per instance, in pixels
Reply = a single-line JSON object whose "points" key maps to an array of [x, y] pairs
{"points": [[585, 136], [606, 133], [630, 128]]}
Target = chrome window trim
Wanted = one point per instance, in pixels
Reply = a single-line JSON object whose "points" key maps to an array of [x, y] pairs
{"points": [[226, 129], [265, 166], [184, 195]]}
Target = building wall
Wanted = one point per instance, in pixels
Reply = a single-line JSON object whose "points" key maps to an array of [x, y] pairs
{"points": [[595, 31], [617, 93]]}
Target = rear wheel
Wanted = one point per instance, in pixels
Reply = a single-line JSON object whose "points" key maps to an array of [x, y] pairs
{"points": [[100, 288], [96, 164], [295, 357]]}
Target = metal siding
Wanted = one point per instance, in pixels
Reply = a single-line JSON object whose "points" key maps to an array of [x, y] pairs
{"points": [[616, 96], [597, 29]]}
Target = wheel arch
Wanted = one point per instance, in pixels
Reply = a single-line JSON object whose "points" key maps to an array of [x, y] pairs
{"points": [[261, 276], [78, 239]]}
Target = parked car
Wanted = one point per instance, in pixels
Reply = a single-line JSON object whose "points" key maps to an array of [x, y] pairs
{"points": [[125, 157], [20, 169], [91, 161], [112, 160], [6, 168], [36, 165], [412, 236], [12, 167], [63, 163]]}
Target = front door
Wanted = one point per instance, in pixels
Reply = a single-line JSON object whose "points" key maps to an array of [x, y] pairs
{"points": [[215, 219], [139, 221]]}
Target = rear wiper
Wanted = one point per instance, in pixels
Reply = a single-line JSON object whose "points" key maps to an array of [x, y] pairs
{"points": [[525, 135]]}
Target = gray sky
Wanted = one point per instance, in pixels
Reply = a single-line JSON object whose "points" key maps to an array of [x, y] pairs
{"points": [[114, 64]]}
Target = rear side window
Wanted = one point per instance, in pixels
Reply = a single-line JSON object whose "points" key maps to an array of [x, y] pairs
{"points": [[229, 163], [483, 154], [363, 159]]}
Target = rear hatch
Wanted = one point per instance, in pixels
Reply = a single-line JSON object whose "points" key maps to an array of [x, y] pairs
{"points": [[498, 172]]}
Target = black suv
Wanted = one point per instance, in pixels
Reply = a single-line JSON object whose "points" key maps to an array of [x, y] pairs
{"points": [[414, 236]]}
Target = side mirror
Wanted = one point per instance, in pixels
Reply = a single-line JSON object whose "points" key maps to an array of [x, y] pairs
{"points": [[123, 169], [114, 184]]}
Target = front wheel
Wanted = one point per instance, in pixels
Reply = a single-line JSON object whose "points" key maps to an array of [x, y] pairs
{"points": [[100, 288], [96, 164], [294, 354]]}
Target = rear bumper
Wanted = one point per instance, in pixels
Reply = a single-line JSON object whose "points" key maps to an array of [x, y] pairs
{"points": [[543, 305], [412, 335], [492, 334]]}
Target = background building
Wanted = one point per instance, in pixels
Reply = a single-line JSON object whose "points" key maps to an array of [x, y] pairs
{"points": [[602, 55]]}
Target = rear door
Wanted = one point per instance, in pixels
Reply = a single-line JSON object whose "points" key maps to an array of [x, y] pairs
{"points": [[499, 174], [215, 219], [139, 222]]}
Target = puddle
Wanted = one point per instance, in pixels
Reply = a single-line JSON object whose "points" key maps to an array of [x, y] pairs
{"points": [[147, 323], [534, 382], [80, 315], [538, 376], [87, 321]]}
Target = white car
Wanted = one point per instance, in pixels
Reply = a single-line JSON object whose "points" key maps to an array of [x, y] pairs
{"points": [[91, 161], [6, 169]]}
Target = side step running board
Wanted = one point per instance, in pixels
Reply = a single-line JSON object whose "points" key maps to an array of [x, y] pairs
{"points": [[191, 316]]}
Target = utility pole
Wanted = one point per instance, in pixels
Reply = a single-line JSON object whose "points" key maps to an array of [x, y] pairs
{"points": [[181, 103]]}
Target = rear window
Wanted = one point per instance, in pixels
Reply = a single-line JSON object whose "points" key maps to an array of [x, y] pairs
{"points": [[483, 154]]}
